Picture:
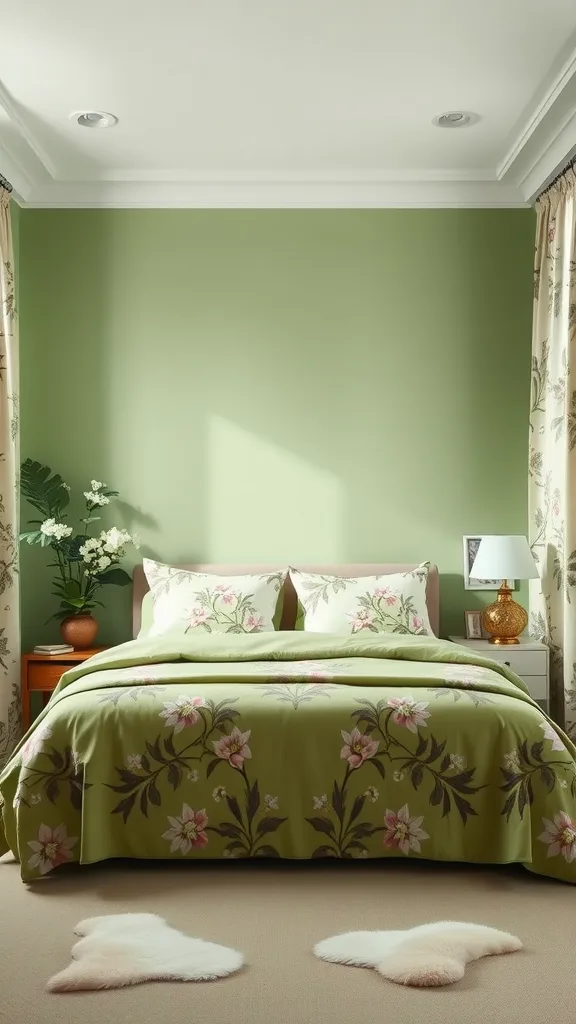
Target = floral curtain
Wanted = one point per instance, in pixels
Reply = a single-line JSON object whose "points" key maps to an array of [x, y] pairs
{"points": [[9, 598], [552, 489]]}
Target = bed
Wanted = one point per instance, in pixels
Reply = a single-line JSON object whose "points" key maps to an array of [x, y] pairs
{"points": [[291, 744]]}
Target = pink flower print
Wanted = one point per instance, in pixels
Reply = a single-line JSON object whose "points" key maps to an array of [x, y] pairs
{"points": [[222, 588], [317, 678], [53, 847], [255, 623], [417, 622], [198, 616], [403, 832], [381, 591], [551, 734], [357, 747], [182, 712], [408, 712], [140, 674], [233, 748], [35, 742], [362, 620], [187, 831], [551, 231], [560, 836], [230, 597]]}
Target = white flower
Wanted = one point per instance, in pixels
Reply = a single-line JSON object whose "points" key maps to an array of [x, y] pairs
{"points": [[372, 794], [96, 485], [270, 803], [398, 776], [115, 539], [95, 498], [512, 761], [103, 563], [50, 528], [35, 798], [218, 794], [457, 762], [320, 802], [193, 776], [66, 487], [136, 540], [91, 549], [134, 762]]}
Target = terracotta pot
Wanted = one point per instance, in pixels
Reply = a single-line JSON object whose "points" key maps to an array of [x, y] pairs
{"points": [[80, 631]]}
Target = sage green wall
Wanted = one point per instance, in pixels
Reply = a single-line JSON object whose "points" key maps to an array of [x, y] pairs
{"points": [[281, 386]]}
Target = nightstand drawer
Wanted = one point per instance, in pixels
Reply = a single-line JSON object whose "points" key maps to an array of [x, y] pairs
{"points": [[536, 686], [45, 676], [523, 663]]}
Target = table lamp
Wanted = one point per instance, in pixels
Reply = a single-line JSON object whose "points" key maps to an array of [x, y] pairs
{"points": [[504, 558]]}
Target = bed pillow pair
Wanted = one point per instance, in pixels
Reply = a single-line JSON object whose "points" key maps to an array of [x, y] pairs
{"points": [[394, 603]]}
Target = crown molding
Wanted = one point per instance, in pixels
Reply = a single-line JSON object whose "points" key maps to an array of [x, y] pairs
{"points": [[541, 144], [551, 161], [22, 159], [541, 108], [259, 194], [547, 136]]}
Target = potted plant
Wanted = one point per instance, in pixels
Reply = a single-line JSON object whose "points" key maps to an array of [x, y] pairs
{"points": [[85, 563]]}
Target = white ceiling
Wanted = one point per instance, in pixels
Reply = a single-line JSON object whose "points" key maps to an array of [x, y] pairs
{"points": [[286, 102]]}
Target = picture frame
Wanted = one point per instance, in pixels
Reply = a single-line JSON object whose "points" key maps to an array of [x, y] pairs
{"points": [[470, 546], [474, 629]]}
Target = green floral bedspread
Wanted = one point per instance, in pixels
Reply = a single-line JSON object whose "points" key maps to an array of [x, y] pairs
{"points": [[292, 745]]}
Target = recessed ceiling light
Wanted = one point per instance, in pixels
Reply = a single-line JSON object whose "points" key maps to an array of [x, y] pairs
{"points": [[455, 119], [94, 119]]}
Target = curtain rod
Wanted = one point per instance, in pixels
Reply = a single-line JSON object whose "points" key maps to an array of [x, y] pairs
{"points": [[4, 183], [571, 163]]}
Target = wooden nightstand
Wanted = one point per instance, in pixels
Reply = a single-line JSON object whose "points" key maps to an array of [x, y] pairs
{"points": [[41, 673], [528, 659]]}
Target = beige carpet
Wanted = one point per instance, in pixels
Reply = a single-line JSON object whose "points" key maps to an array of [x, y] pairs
{"points": [[275, 914]]}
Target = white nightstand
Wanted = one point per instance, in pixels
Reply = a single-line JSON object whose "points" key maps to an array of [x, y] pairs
{"points": [[528, 659]]}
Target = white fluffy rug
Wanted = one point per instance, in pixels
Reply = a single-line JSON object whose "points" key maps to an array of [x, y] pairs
{"points": [[429, 955], [125, 949]]}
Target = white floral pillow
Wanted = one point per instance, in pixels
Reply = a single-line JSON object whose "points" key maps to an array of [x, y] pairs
{"points": [[395, 603], [214, 604]]}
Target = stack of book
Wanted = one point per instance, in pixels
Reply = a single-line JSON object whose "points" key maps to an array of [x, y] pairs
{"points": [[53, 649]]}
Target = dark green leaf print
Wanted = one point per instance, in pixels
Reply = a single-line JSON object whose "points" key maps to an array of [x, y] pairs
{"points": [[524, 768], [322, 825]]}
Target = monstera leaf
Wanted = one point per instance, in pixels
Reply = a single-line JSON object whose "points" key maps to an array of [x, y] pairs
{"points": [[43, 489]]}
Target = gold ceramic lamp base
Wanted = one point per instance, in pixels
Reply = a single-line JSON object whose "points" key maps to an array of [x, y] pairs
{"points": [[504, 620]]}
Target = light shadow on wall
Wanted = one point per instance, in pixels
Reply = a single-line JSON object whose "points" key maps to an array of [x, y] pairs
{"points": [[282, 505]]}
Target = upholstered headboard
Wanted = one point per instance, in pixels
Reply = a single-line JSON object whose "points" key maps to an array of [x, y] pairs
{"points": [[290, 601]]}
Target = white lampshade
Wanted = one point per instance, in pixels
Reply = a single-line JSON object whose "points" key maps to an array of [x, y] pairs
{"points": [[504, 558]]}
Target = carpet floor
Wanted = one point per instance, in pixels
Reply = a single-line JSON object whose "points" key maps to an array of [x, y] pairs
{"points": [[275, 912]]}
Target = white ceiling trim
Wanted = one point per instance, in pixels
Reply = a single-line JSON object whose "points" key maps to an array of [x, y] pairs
{"points": [[17, 121], [541, 144], [269, 195], [542, 107]]}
